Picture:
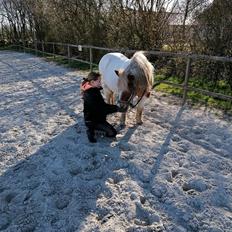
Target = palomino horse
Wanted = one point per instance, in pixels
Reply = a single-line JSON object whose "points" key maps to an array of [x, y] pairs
{"points": [[128, 79]]}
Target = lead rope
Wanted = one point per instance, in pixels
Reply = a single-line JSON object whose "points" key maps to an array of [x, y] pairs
{"points": [[133, 106]]}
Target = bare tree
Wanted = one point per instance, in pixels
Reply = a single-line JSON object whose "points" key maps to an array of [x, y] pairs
{"points": [[182, 28], [213, 36]]}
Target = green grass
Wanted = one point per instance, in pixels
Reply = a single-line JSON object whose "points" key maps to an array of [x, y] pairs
{"points": [[220, 87], [57, 59], [70, 64], [63, 61], [169, 89], [4, 48], [210, 101]]}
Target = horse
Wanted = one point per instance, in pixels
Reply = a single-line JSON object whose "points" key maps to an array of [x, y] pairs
{"points": [[128, 79]]}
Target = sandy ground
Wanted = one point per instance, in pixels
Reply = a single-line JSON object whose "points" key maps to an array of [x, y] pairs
{"points": [[173, 173]]}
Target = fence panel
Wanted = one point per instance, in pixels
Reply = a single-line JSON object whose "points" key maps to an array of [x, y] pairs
{"points": [[178, 62]]}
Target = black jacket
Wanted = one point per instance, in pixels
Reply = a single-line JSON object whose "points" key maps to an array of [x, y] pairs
{"points": [[95, 108]]}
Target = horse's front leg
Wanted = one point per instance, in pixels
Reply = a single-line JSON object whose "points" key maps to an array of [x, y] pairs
{"points": [[123, 119], [139, 111]]}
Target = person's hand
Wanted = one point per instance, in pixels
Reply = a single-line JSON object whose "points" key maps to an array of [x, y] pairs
{"points": [[122, 109]]}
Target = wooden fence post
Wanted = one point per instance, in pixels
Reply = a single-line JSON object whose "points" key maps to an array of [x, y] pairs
{"points": [[36, 47], [23, 45], [91, 58], [53, 49], [42, 48], [69, 55], [185, 85]]}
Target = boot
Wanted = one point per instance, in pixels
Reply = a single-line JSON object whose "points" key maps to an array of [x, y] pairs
{"points": [[100, 133], [91, 137], [111, 133]]}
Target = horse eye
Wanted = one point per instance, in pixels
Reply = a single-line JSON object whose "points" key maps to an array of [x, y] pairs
{"points": [[130, 77]]}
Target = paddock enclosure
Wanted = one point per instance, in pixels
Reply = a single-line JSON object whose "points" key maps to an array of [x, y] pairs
{"points": [[173, 173]]}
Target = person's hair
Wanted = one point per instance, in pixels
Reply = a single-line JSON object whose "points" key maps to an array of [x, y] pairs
{"points": [[92, 76]]}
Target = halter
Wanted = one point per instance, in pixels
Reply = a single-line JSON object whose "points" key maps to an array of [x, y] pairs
{"points": [[129, 103]]}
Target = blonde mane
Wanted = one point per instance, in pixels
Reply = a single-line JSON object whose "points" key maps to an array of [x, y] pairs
{"points": [[142, 70]]}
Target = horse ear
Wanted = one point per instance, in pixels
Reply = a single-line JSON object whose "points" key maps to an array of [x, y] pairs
{"points": [[117, 72]]}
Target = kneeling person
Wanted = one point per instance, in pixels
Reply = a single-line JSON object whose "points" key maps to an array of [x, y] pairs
{"points": [[95, 108]]}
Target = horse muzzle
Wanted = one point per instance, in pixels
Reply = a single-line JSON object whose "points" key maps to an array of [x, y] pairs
{"points": [[125, 100]]}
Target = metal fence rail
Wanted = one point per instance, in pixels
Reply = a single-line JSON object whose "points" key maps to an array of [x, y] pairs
{"points": [[39, 46]]}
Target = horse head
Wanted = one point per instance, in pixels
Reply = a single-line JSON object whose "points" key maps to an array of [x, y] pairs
{"points": [[126, 87]]}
